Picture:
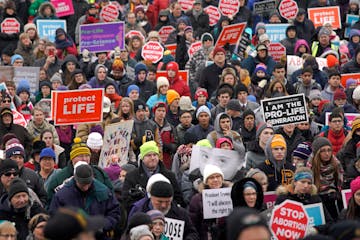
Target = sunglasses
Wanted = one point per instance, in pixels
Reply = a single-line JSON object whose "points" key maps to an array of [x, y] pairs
{"points": [[6, 101], [8, 174]]}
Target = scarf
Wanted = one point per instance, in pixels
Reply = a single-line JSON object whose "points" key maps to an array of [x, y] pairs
{"points": [[65, 136], [62, 44]]}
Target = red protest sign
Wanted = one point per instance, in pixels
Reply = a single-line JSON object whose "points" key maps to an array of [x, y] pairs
{"points": [[186, 4], [276, 51], [109, 13], [152, 51], [321, 15], [183, 74], [172, 48], [18, 118], [230, 34], [214, 14], [10, 25], [229, 7], [194, 47], [288, 9], [345, 77], [289, 221], [78, 106], [132, 33], [164, 32]]}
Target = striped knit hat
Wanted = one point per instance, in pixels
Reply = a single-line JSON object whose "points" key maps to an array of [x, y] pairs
{"points": [[78, 148]]}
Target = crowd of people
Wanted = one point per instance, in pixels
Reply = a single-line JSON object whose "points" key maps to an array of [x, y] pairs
{"points": [[51, 183]]}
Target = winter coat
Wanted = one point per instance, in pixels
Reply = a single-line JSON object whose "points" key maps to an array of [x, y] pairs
{"points": [[168, 143], [140, 129], [237, 194], [250, 63], [53, 67], [98, 200], [35, 130], [305, 30], [179, 133], [210, 77], [179, 85], [351, 67], [319, 76], [181, 52], [151, 102], [10, 40], [301, 88], [255, 155], [27, 52], [147, 89], [291, 141], [199, 132], [289, 44], [200, 24], [336, 139]]}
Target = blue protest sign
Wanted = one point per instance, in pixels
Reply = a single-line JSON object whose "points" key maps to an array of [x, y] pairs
{"points": [[350, 19], [276, 32], [47, 28], [315, 213]]}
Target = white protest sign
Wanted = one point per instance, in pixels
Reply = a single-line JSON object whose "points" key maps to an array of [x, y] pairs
{"points": [[217, 202], [346, 195], [174, 228], [322, 62], [293, 63]]}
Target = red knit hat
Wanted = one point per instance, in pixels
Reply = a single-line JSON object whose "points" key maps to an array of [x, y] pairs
{"points": [[355, 185], [159, 104], [332, 61], [218, 49], [201, 91], [339, 94]]}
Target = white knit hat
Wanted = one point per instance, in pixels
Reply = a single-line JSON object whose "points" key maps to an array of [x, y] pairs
{"points": [[210, 170], [158, 177], [138, 232], [95, 140], [185, 104], [202, 109], [356, 93], [161, 81]]}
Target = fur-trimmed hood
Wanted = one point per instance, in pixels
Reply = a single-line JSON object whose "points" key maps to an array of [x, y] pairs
{"points": [[289, 189]]}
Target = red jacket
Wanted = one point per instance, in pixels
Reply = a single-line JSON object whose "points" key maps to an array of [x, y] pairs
{"points": [[336, 140], [179, 86], [160, 5]]}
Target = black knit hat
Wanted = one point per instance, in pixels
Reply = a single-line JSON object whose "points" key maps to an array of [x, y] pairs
{"points": [[45, 83], [241, 88], [16, 186], [162, 189], [37, 147], [139, 218], [318, 143], [234, 105], [248, 112], [8, 165], [84, 174], [190, 137], [139, 105]]}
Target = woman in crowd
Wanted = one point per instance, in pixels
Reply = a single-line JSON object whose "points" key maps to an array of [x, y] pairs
{"points": [[353, 210], [77, 79], [48, 137], [36, 226], [248, 193]]}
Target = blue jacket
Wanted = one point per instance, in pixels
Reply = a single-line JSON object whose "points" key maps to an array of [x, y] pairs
{"points": [[250, 64]]}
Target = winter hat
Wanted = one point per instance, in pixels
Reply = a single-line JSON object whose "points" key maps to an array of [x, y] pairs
{"points": [[117, 65], [94, 141], [349, 82], [345, 230], [188, 29], [148, 147], [139, 105], [234, 105], [355, 125], [16, 57], [45, 83], [98, 129], [172, 66], [17, 185], [184, 20], [210, 170], [332, 61], [139, 232], [7, 137], [6, 111], [8, 165], [56, 78], [301, 12], [11, 142], [140, 67], [78, 148], [303, 151], [62, 88], [171, 95], [260, 25], [206, 36], [314, 94], [131, 88], [220, 141], [354, 2], [84, 86], [261, 46], [138, 219], [47, 152], [153, 34], [84, 174], [159, 104], [162, 81], [29, 26], [167, 57], [263, 38], [241, 88], [261, 67], [106, 105], [320, 142], [37, 147], [203, 109], [139, 8], [201, 91], [190, 137], [355, 185], [15, 149], [262, 126], [278, 141], [204, 143], [157, 177], [339, 94], [164, 12], [324, 31], [162, 189], [127, 167], [356, 93], [218, 49], [185, 104], [113, 171], [23, 86], [156, 214]]}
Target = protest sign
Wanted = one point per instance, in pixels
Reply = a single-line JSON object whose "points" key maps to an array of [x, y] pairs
{"points": [[229, 7], [293, 63], [243, 44], [10, 25], [183, 75], [116, 142], [6, 73], [132, 33], [47, 28], [350, 19], [276, 32], [322, 62], [172, 48], [186, 4], [63, 7], [316, 214], [346, 76], [29, 73], [346, 195], [18, 118], [289, 221], [288, 9], [78, 106], [152, 51], [276, 51], [164, 33], [174, 228], [109, 13], [228, 161], [320, 15], [349, 116], [284, 110], [230, 34], [264, 8], [270, 198], [194, 47], [217, 203], [102, 37], [214, 15]]}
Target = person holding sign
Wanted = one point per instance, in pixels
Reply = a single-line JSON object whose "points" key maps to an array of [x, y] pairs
{"points": [[353, 210]]}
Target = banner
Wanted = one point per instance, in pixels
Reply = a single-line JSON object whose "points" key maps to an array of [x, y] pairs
{"points": [[350, 19], [47, 28], [316, 214], [284, 110], [102, 37], [276, 32], [164, 32], [214, 15], [346, 195], [230, 34], [29, 73], [320, 15], [183, 75], [346, 76], [152, 51], [116, 142], [264, 8], [174, 228], [229, 7], [243, 44], [288, 9], [295, 63], [63, 7], [10, 25], [270, 198], [276, 51], [217, 203], [77, 106]]}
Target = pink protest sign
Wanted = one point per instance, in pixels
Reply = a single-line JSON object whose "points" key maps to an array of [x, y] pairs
{"points": [[186, 4], [269, 199], [229, 7], [214, 14], [152, 51], [63, 7], [194, 47], [109, 13]]}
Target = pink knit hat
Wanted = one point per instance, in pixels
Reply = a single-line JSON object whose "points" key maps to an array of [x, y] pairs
{"points": [[355, 185]]}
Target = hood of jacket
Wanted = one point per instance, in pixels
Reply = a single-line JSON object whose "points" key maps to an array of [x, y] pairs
{"points": [[217, 122], [237, 195], [299, 43], [70, 58], [270, 156], [42, 9]]}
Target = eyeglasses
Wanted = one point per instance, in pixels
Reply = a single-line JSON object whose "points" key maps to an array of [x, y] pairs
{"points": [[8, 174], [6, 101], [11, 236], [336, 121]]}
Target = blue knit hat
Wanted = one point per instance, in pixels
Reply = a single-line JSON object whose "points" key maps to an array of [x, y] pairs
{"points": [[47, 152], [140, 67], [23, 86], [16, 57], [132, 87]]}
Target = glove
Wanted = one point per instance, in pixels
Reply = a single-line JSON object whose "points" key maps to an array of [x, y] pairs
{"points": [[86, 55], [117, 52], [262, 83]]}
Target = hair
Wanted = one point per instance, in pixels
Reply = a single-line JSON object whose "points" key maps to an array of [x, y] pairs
{"points": [[120, 113], [353, 210], [50, 44], [34, 221], [46, 131], [270, 90], [228, 71], [6, 225], [278, 66], [36, 108], [307, 69], [10, 83], [335, 115], [131, 49], [74, 85], [224, 90], [24, 35]]}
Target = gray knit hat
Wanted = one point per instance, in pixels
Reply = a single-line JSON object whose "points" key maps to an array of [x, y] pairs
{"points": [[261, 128], [319, 142]]}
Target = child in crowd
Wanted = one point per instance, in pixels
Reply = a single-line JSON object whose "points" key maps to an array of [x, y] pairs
{"points": [[224, 143], [158, 224]]}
